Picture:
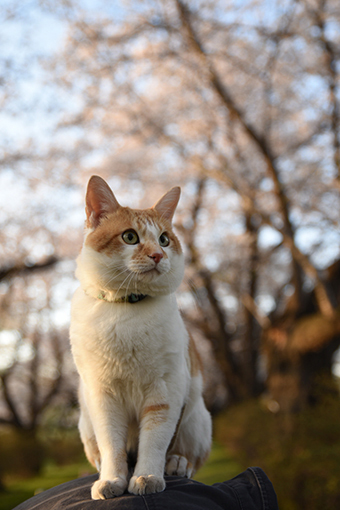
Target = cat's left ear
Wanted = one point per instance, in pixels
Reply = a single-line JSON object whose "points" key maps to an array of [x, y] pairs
{"points": [[166, 206]]}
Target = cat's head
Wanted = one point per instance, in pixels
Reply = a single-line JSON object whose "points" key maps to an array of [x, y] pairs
{"points": [[128, 250]]}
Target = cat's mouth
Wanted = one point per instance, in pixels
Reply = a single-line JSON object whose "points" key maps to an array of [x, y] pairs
{"points": [[147, 273], [151, 271]]}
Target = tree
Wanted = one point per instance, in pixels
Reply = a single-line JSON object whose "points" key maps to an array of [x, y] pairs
{"points": [[250, 110], [240, 105], [32, 371]]}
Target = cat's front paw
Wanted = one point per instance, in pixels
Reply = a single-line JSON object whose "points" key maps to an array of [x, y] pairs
{"points": [[177, 465], [106, 489], [146, 484]]}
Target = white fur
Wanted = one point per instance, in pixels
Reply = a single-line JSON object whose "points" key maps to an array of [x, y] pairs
{"points": [[131, 358]]}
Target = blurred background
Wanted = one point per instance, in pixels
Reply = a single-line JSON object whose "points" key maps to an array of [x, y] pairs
{"points": [[236, 101]]}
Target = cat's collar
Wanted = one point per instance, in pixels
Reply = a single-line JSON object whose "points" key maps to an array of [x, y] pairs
{"points": [[131, 298]]}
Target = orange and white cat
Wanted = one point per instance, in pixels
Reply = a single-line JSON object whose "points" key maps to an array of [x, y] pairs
{"points": [[140, 374]]}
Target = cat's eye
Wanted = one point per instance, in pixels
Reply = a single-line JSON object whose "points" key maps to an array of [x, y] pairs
{"points": [[130, 237], [164, 240]]}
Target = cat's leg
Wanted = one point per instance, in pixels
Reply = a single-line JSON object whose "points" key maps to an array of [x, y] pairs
{"points": [[158, 424], [192, 444], [88, 439], [110, 427], [178, 465]]}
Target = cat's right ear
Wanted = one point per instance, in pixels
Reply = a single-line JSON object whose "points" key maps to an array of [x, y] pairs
{"points": [[100, 201], [166, 206]]}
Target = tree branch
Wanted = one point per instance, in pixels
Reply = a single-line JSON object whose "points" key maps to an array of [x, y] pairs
{"points": [[55, 385], [299, 261], [16, 420], [9, 271], [331, 63], [250, 304], [237, 113]]}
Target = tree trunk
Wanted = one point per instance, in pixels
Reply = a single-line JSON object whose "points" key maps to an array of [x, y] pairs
{"points": [[296, 355]]}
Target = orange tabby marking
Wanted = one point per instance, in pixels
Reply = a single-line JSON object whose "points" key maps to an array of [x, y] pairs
{"points": [[156, 414]]}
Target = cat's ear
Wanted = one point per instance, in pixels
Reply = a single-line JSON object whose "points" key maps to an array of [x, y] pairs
{"points": [[166, 206], [100, 201]]}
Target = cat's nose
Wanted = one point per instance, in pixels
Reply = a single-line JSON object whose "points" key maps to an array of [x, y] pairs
{"points": [[156, 257]]}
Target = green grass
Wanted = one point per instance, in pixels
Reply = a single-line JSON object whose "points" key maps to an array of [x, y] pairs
{"points": [[18, 490], [218, 468]]}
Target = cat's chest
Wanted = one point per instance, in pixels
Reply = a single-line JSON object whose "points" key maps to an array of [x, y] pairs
{"points": [[139, 342], [130, 346]]}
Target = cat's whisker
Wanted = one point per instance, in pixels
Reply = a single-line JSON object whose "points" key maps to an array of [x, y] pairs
{"points": [[131, 274], [115, 277], [114, 271], [114, 266], [127, 285], [113, 274]]}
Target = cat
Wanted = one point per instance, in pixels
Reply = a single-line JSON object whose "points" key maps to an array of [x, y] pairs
{"points": [[140, 373]]}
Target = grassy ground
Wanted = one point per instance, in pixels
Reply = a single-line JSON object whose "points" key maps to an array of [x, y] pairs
{"points": [[218, 468], [18, 490]]}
